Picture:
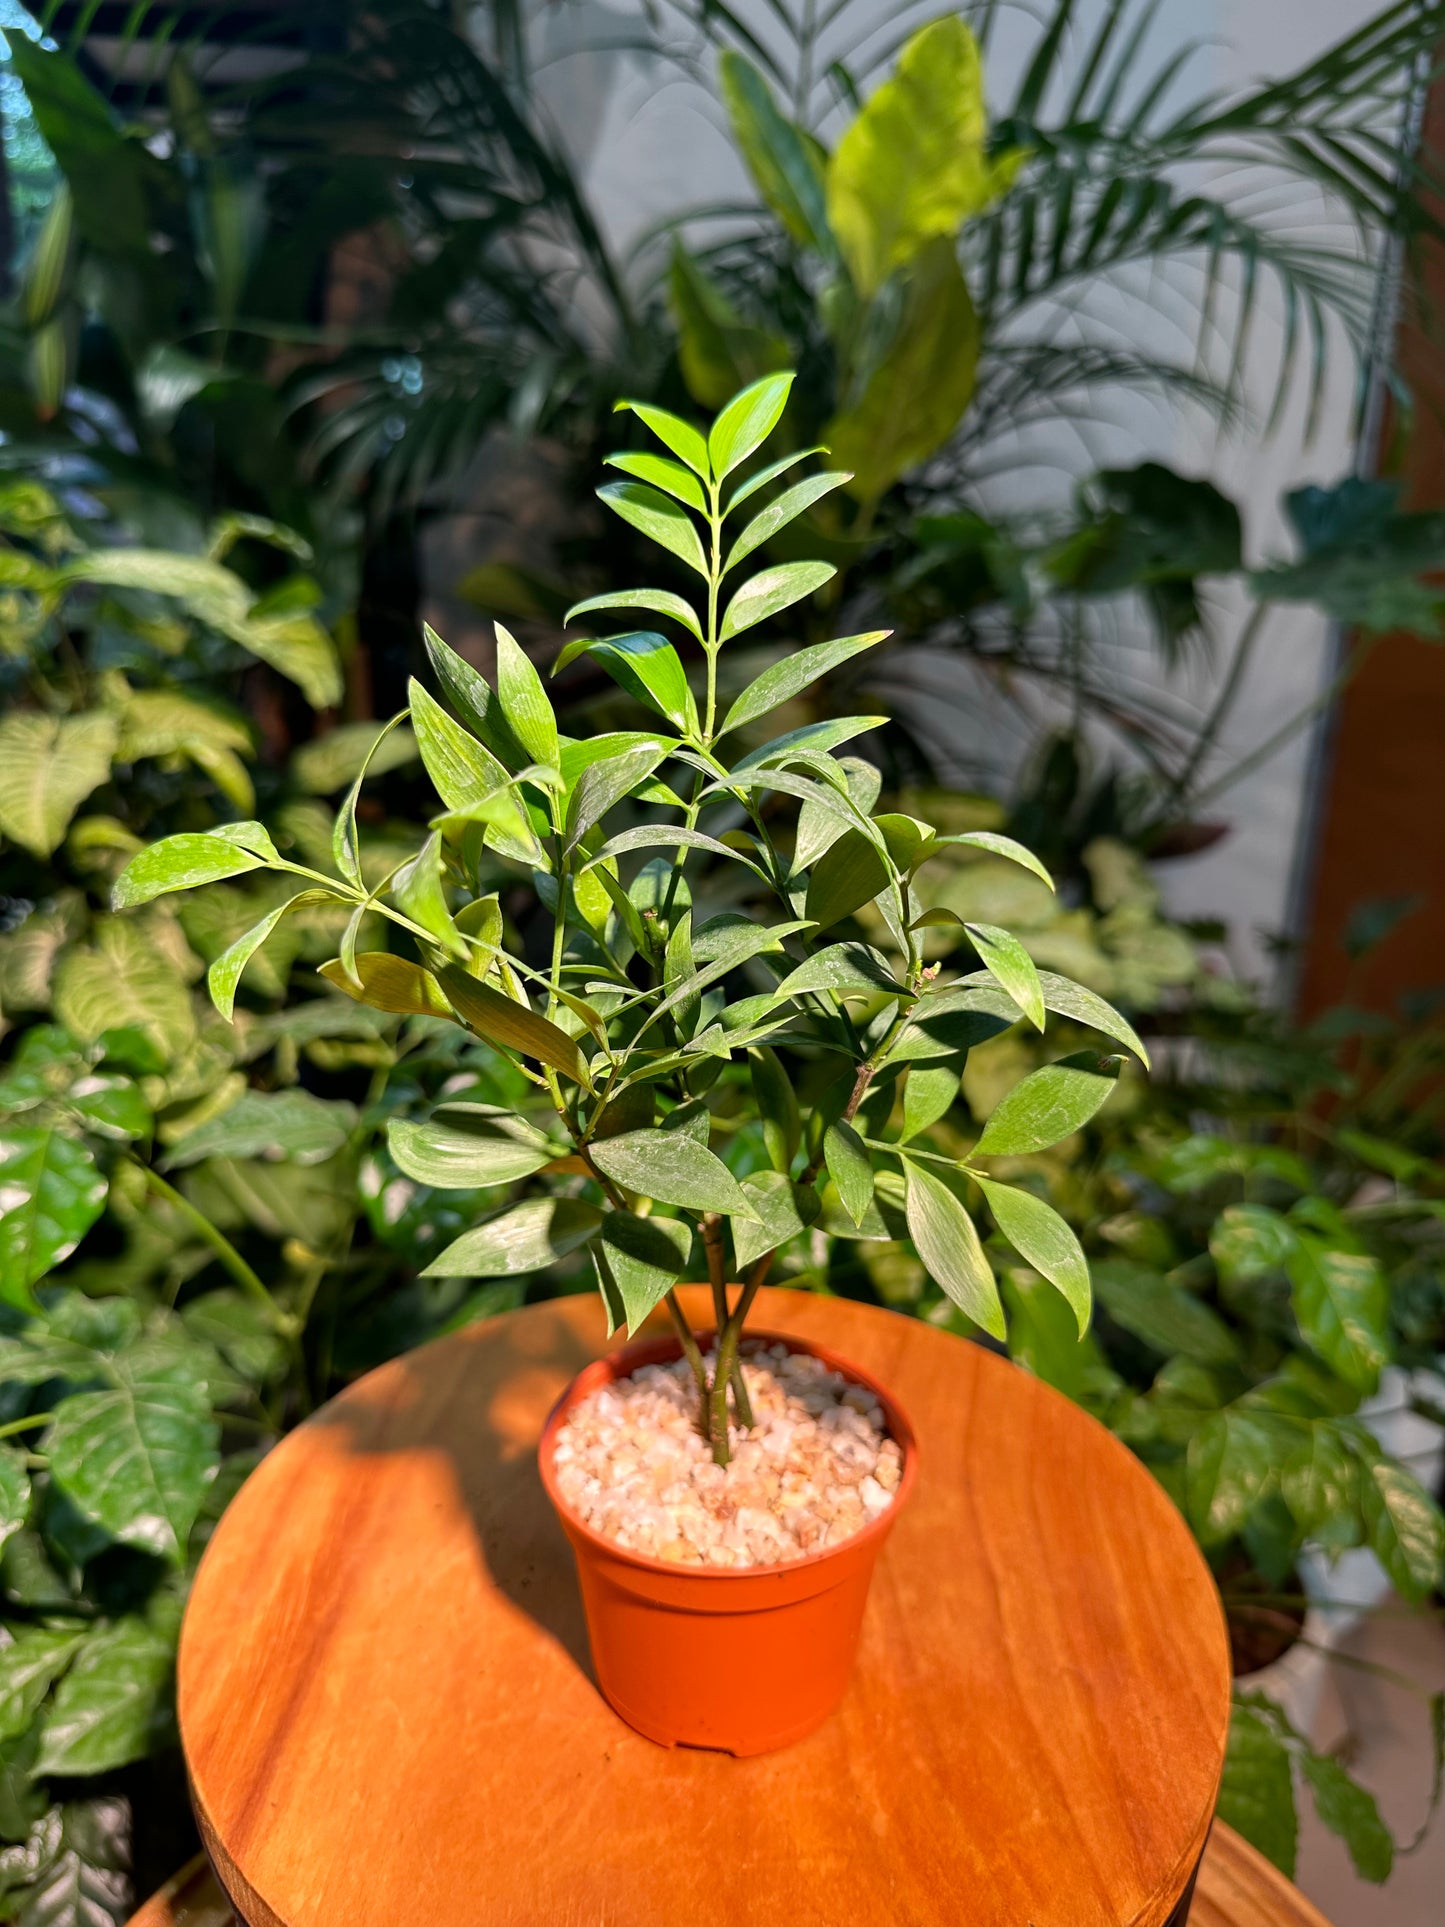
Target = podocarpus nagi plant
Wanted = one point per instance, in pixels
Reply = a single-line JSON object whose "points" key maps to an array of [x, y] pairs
{"points": [[649, 1009]]}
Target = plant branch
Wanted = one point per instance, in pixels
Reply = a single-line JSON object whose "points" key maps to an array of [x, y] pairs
{"points": [[220, 1244], [31, 1424]]}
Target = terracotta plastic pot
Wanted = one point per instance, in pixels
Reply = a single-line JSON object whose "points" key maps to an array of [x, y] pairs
{"points": [[743, 1661]]}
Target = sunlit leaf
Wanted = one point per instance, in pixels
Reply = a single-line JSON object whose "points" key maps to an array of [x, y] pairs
{"points": [[948, 1243]]}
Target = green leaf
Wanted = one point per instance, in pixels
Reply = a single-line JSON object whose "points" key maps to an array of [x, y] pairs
{"points": [[681, 437], [114, 1705], [292, 1125], [915, 163], [850, 969], [224, 975], [124, 979], [1048, 1105], [1044, 1339], [777, 1106], [463, 771], [789, 678], [659, 518], [954, 1021], [945, 1238], [746, 422], [929, 1093], [525, 1237], [782, 159], [242, 1331], [771, 591], [418, 892], [470, 695], [784, 509], [524, 703], [1167, 1318], [1249, 1241], [717, 346], [605, 783], [661, 602], [664, 836], [1256, 1796], [29, 1667], [664, 473], [462, 1146], [345, 845], [849, 1168], [52, 1193], [1068, 999], [179, 863], [915, 396], [648, 668], [1233, 1459], [1349, 1811], [14, 1492], [390, 983], [1195, 1162], [849, 873], [48, 766], [1042, 1239], [673, 1168], [996, 845], [774, 1203], [136, 1460], [644, 1258], [773, 470], [1342, 1304], [503, 1021], [1320, 1482], [1011, 966], [820, 737], [334, 761], [80, 1876], [1407, 1532]]}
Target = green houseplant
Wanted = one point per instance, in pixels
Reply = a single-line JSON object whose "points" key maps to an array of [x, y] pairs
{"points": [[1262, 1253], [660, 1019]]}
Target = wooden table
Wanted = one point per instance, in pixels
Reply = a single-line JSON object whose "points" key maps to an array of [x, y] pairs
{"points": [[388, 1717], [1237, 1888]]}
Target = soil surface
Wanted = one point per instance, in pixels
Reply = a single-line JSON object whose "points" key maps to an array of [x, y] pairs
{"points": [[816, 1467]]}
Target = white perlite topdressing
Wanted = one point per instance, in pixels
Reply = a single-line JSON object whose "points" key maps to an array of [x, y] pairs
{"points": [[816, 1467]]}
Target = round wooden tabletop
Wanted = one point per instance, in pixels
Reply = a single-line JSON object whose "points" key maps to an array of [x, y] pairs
{"points": [[388, 1715]]}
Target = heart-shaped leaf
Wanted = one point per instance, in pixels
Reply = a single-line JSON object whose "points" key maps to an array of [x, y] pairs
{"points": [[136, 1459], [53, 1193]]}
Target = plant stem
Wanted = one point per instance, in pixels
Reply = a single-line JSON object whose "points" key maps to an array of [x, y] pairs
{"points": [[712, 1241], [1292, 728], [31, 1424], [693, 1356], [225, 1251], [727, 1359], [1223, 703]]}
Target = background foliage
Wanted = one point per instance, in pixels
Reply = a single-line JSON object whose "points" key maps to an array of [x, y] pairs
{"points": [[265, 335]]}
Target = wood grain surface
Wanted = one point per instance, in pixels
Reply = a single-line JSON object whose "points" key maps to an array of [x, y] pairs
{"points": [[193, 1899], [388, 1717], [1237, 1888]]}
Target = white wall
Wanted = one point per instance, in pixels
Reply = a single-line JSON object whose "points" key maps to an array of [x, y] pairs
{"points": [[652, 142]]}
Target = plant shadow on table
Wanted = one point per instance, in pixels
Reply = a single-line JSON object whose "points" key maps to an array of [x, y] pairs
{"points": [[480, 1398]]}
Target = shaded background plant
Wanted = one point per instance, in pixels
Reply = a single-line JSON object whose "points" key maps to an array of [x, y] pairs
{"points": [[285, 324]]}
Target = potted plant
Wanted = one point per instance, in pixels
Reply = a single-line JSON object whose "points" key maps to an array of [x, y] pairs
{"points": [[714, 1054]]}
